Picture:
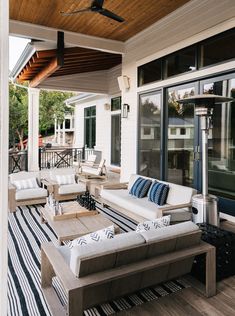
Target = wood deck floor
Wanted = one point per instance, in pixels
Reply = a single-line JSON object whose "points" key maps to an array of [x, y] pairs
{"points": [[190, 301]]}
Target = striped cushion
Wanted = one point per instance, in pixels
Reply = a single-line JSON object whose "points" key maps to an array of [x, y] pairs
{"points": [[153, 224], [65, 179], [158, 193], [23, 184], [97, 236], [140, 187]]}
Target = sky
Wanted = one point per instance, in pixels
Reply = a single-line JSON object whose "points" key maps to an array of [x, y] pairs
{"points": [[16, 47]]}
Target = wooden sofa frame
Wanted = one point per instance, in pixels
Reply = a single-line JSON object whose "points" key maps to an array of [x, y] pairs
{"points": [[53, 264], [53, 188], [13, 203], [136, 217]]}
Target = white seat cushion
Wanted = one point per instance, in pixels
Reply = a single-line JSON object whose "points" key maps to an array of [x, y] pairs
{"points": [[142, 207], [71, 188], [122, 198], [120, 241], [29, 194]]}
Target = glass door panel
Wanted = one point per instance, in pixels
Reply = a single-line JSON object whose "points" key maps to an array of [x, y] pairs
{"points": [[221, 152], [149, 134], [116, 139], [180, 136]]}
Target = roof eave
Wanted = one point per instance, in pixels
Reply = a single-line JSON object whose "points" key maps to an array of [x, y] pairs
{"points": [[22, 61]]}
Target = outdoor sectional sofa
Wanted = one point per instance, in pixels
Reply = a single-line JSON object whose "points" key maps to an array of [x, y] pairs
{"points": [[178, 203], [99, 272]]}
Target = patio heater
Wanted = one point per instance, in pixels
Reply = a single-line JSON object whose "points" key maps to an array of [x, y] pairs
{"points": [[205, 206]]}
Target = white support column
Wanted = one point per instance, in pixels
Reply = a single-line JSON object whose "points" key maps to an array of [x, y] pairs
{"points": [[63, 133], [59, 134], [55, 131], [33, 129], [4, 140]]}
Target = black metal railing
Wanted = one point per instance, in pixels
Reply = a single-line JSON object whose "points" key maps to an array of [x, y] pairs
{"points": [[18, 161], [49, 158], [60, 157]]}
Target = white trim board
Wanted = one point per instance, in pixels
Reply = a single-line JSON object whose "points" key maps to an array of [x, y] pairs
{"points": [[4, 139], [40, 32]]}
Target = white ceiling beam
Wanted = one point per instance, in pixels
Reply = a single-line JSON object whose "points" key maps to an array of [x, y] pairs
{"points": [[39, 32]]}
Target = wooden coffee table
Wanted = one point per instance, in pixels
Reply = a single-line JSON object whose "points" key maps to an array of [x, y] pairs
{"points": [[71, 228]]}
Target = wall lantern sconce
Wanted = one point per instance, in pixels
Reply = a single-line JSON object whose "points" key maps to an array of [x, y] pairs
{"points": [[107, 106], [125, 110]]}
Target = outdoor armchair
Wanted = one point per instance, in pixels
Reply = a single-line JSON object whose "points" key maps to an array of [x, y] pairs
{"points": [[66, 185], [25, 189], [97, 171]]}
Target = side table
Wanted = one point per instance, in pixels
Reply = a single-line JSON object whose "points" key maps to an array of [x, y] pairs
{"points": [[224, 243]]}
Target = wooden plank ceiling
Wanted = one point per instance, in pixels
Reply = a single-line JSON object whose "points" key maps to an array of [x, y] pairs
{"points": [[138, 15], [47, 63]]}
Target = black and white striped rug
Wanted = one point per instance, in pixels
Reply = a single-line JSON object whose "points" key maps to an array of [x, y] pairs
{"points": [[26, 233]]}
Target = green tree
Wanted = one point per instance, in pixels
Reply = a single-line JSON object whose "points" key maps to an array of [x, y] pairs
{"points": [[52, 105], [18, 114]]}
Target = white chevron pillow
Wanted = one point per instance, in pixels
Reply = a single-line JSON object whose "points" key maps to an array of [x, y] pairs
{"points": [[99, 235], [153, 224], [30, 183]]}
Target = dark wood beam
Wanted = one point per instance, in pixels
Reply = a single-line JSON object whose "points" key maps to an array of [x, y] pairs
{"points": [[45, 72]]}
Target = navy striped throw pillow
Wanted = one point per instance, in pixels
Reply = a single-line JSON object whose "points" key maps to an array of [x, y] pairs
{"points": [[158, 193], [140, 187]]}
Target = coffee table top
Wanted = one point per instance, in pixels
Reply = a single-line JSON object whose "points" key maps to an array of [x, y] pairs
{"points": [[69, 229]]}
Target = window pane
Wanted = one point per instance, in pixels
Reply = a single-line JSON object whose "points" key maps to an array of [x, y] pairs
{"points": [[221, 151], [116, 139], [180, 137], [150, 72], [92, 111], [116, 104], [150, 135], [218, 49], [182, 61]]}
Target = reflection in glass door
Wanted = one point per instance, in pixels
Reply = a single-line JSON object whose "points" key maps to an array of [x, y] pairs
{"points": [[181, 134], [149, 134], [116, 139], [222, 139]]}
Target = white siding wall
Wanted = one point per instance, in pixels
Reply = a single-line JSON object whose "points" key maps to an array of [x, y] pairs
{"points": [[195, 21], [103, 116]]}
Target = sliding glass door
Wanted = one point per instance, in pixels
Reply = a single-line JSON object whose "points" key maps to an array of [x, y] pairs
{"points": [[222, 138], [116, 139], [149, 134], [180, 136]]}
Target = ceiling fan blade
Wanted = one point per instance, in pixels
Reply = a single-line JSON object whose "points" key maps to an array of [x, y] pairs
{"points": [[74, 12], [111, 15], [97, 3]]}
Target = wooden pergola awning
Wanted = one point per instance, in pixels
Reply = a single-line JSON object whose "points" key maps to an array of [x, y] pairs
{"points": [[74, 60]]}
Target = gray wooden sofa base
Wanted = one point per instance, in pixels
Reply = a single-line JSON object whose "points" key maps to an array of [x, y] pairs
{"points": [[107, 284]]}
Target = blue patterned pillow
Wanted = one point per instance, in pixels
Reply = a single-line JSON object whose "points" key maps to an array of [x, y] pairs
{"points": [[158, 193], [140, 187]]}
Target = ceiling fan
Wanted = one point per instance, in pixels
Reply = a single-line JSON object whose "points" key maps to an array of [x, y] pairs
{"points": [[97, 7]]}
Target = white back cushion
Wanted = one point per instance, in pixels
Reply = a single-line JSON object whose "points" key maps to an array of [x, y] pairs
{"points": [[91, 160], [178, 194], [65, 179], [169, 231], [23, 184], [22, 175], [60, 171], [120, 241]]}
